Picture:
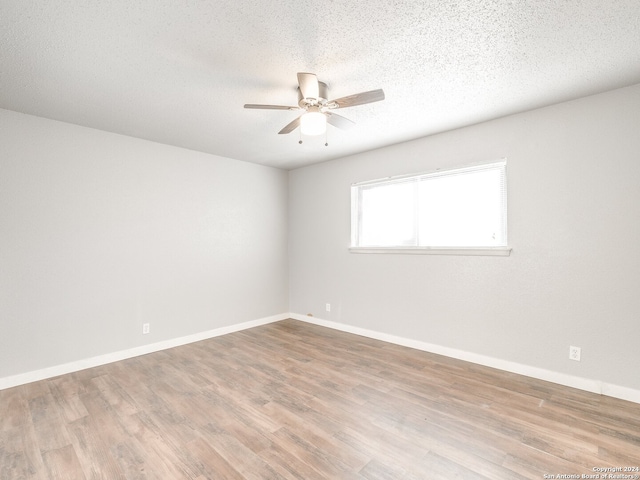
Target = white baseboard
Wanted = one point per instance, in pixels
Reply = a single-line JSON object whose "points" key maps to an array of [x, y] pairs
{"points": [[49, 372], [589, 385], [595, 386]]}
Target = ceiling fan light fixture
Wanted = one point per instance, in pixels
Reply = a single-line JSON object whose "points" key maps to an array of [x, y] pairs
{"points": [[313, 123]]}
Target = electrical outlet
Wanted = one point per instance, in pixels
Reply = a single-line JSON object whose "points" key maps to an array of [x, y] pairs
{"points": [[145, 328], [574, 353], [328, 307]]}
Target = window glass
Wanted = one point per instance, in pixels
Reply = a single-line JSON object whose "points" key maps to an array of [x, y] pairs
{"points": [[387, 214], [455, 208]]}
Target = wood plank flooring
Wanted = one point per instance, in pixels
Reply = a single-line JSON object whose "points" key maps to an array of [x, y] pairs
{"points": [[291, 400]]}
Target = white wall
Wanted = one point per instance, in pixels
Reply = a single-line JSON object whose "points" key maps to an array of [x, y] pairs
{"points": [[573, 277], [100, 233]]}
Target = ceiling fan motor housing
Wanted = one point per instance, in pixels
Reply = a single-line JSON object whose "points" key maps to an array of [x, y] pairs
{"points": [[305, 103]]}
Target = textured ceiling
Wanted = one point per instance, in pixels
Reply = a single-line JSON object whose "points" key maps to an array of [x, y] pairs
{"points": [[179, 72]]}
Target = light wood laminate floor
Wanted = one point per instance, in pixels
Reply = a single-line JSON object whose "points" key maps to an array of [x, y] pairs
{"points": [[293, 400]]}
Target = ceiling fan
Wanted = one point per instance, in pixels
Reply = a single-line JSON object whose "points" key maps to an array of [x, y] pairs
{"points": [[318, 111]]}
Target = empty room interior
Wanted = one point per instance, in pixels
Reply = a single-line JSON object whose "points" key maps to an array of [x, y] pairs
{"points": [[440, 279]]}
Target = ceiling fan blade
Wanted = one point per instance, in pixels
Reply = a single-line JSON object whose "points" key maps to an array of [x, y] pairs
{"points": [[290, 127], [359, 98], [339, 121], [269, 107], [308, 85]]}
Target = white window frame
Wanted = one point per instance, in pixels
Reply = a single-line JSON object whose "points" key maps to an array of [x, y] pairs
{"points": [[432, 250]]}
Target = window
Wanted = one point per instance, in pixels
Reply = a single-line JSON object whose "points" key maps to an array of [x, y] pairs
{"points": [[452, 210]]}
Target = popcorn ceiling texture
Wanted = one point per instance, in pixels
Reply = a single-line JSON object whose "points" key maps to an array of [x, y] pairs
{"points": [[179, 72]]}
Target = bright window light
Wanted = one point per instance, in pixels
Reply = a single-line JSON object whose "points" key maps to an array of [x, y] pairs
{"points": [[465, 207], [387, 214]]}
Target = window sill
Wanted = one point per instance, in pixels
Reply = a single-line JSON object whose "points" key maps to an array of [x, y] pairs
{"points": [[485, 251]]}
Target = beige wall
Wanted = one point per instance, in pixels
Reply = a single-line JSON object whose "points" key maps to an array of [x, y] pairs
{"points": [[100, 233], [573, 277]]}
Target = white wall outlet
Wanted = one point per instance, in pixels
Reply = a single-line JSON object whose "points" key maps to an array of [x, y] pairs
{"points": [[145, 328], [328, 307], [574, 353]]}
